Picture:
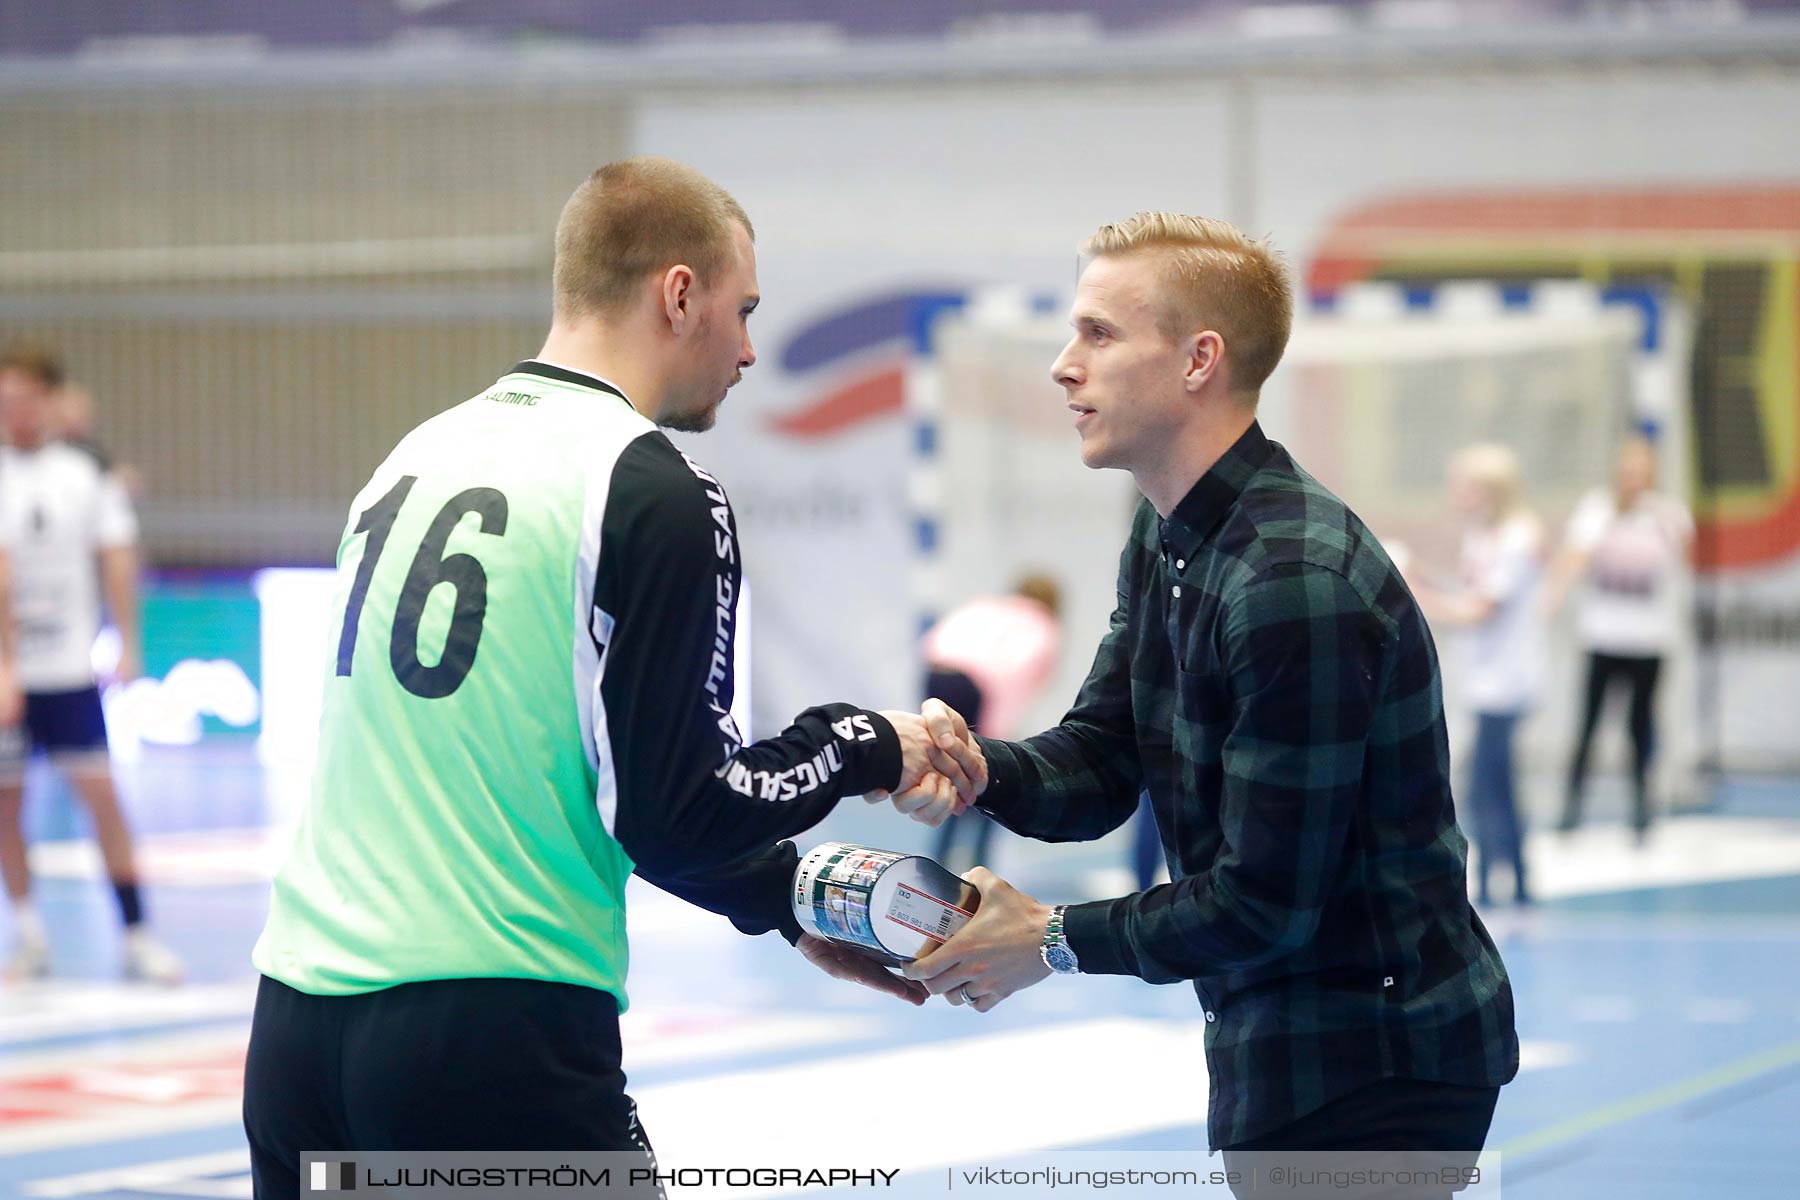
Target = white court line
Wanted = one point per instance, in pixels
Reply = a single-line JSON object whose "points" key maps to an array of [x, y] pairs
{"points": [[110, 1128], [1681, 850], [1717, 1010], [33, 1011], [1541, 1056], [1612, 928], [663, 1038], [228, 1187], [1606, 1010], [144, 1177]]}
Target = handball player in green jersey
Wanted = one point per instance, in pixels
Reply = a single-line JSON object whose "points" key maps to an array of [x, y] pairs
{"points": [[528, 699]]}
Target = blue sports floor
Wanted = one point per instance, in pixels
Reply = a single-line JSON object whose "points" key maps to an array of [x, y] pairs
{"points": [[1657, 991]]}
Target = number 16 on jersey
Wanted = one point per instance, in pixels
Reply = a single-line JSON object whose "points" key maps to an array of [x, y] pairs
{"points": [[430, 567]]}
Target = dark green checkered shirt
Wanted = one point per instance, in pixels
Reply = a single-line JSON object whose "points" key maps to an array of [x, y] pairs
{"points": [[1269, 681]]}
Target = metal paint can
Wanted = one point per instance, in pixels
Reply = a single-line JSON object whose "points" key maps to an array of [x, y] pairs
{"points": [[897, 907]]}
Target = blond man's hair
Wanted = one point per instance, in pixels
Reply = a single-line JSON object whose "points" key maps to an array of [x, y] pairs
{"points": [[1215, 278], [1496, 470], [635, 217]]}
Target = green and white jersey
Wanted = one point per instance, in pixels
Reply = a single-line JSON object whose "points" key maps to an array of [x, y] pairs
{"points": [[528, 697]]}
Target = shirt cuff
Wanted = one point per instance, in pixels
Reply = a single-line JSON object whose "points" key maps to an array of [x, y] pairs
{"points": [[781, 910], [1003, 776], [1089, 930], [879, 768], [789, 925]]}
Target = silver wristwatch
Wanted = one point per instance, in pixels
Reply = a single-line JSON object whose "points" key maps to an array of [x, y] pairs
{"points": [[1056, 952]]}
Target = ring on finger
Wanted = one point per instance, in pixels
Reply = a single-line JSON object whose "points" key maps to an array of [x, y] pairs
{"points": [[963, 991]]}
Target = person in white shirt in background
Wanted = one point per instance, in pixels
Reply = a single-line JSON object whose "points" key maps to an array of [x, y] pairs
{"points": [[73, 416], [1497, 607], [988, 659], [71, 534], [1626, 546]]}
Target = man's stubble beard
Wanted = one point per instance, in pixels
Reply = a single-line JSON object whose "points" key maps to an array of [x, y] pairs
{"points": [[702, 419], [694, 422], [697, 420]]}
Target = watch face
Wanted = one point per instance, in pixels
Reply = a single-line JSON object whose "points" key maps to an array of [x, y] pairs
{"points": [[1061, 959]]}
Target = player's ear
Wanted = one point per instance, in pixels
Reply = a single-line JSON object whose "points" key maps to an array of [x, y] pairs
{"points": [[678, 296]]}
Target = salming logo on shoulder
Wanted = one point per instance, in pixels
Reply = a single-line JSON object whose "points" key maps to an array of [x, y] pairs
{"points": [[718, 672], [520, 399], [723, 545]]}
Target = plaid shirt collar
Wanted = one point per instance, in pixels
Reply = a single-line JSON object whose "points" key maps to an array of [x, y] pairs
{"points": [[1186, 529]]}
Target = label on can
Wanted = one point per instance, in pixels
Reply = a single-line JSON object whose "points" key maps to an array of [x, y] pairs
{"points": [[844, 914], [891, 905], [920, 911], [859, 867], [834, 886]]}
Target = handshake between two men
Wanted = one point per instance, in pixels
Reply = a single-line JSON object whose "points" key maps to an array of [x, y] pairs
{"points": [[998, 952]]}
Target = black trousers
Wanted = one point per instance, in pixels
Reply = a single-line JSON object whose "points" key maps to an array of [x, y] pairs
{"points": [[1640, 675], [1445, 1124], [456, 1064]]}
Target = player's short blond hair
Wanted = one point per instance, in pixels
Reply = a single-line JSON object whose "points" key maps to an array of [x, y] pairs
{"points": [[1496, 470], [638, 216], [1215, 278]]}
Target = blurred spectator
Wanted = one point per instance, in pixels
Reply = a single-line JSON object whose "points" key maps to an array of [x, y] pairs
{"points": [[71, 420], [71, 536], [72, 417], [1625, 545], [988, 659], [1147, 852], [1497, 605]]}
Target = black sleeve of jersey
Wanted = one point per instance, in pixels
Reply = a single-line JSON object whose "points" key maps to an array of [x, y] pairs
{"points": [[754, 892], [692, 800]]}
